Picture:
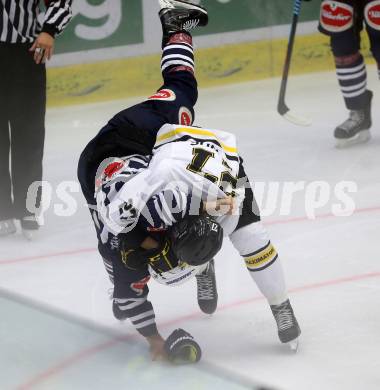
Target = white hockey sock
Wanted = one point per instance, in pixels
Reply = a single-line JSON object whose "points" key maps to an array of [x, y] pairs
{"points": [[262, 261]]}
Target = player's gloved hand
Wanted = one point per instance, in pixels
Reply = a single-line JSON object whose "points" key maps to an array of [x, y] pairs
{"points": [[181, 348], [161, 258]]}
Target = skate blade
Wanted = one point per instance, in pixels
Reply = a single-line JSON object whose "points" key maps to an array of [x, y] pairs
{"points": [[30, 235], [361, 137], [7, 228], [7, 233], [172, 4], [293, 345]]}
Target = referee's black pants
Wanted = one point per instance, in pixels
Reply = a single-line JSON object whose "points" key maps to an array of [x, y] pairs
{"points": [[22, 128]]}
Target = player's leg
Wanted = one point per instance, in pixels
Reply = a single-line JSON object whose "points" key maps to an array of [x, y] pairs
{"points": [[130, 295], [134, 129], [264, 265], [372, 20], [6, 205], [252, 241], [342, 21], [28, 132], [7, 225], [175, 99]]}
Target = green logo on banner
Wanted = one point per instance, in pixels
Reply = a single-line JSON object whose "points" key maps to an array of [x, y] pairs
{"points": [[98, 24]]}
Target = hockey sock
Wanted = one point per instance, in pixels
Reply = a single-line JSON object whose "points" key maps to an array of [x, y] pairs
{"points": [[271, 282], [178, 54], [352, 76], [262, 261]]}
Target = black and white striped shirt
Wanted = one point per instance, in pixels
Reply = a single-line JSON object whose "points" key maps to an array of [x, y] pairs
{"points": [[19, 19]]}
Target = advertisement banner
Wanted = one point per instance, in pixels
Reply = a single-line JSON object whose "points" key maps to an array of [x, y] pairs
{"points": [[100, 24], [235, 15]]}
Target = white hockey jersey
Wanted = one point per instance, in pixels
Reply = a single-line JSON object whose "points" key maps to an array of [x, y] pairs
{"points": [[189, 164]]}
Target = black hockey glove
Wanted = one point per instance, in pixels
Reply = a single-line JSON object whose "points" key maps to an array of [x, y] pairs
{"points": [[181, 348], [161, 259]]}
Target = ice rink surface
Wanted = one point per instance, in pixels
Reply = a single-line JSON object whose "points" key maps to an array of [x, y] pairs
{"points": [[57, 330]]}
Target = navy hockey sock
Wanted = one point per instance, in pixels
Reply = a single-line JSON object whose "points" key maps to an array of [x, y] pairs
{"points": [[352, 77], [178, 54]]}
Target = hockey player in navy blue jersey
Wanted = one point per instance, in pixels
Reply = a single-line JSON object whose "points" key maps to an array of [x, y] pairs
{"points": [[161, 193], [133, 132], [343, 21]]}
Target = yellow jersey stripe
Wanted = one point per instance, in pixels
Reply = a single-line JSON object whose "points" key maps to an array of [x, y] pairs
{"points": [[186, 130]]}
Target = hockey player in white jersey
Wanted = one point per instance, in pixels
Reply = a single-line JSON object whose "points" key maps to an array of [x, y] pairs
{"points": [[162, 194], [193, 171]]}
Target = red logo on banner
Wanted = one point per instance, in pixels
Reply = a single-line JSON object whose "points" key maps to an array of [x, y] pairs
{"points": [[185, 117], [372, 14], [163, 94], [336, 16], [138, 287]]}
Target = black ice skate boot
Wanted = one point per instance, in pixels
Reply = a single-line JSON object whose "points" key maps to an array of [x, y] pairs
{"points": [[207, 292], [7, 227], [30, 227], [178, 16], [287, 325], [356, 128]]}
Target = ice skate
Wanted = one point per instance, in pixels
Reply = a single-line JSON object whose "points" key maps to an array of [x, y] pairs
{"points": [[355, 129], [207, 293], [30, 227], [177, 16], [7, 227], [288, 328]]}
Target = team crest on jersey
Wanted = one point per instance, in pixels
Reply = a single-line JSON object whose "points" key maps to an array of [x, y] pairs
{"points": [[128, 214], [113, 168], [372, 14], [107, 170], [336, 16], [185, 117], [164, 94], [138, 287]]}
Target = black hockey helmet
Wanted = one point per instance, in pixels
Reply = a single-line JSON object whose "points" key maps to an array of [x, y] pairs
{"points": [[196, 239]]}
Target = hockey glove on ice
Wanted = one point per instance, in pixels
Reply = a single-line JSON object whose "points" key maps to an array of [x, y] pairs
{"points": [[181, 348]]}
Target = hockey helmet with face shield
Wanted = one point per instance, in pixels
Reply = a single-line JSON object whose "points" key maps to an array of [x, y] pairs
{"points": [[191, 244]]}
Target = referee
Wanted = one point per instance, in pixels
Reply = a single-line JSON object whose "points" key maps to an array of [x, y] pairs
{"points": [[25, 45]]}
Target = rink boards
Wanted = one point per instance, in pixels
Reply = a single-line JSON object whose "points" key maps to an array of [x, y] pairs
{"points": [[235, 63]]}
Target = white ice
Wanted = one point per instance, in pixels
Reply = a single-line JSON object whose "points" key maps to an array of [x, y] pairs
{"points": [[332, 264]]}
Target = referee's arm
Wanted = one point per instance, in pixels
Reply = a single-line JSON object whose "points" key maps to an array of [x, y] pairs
{"points": [[57, 16]]}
